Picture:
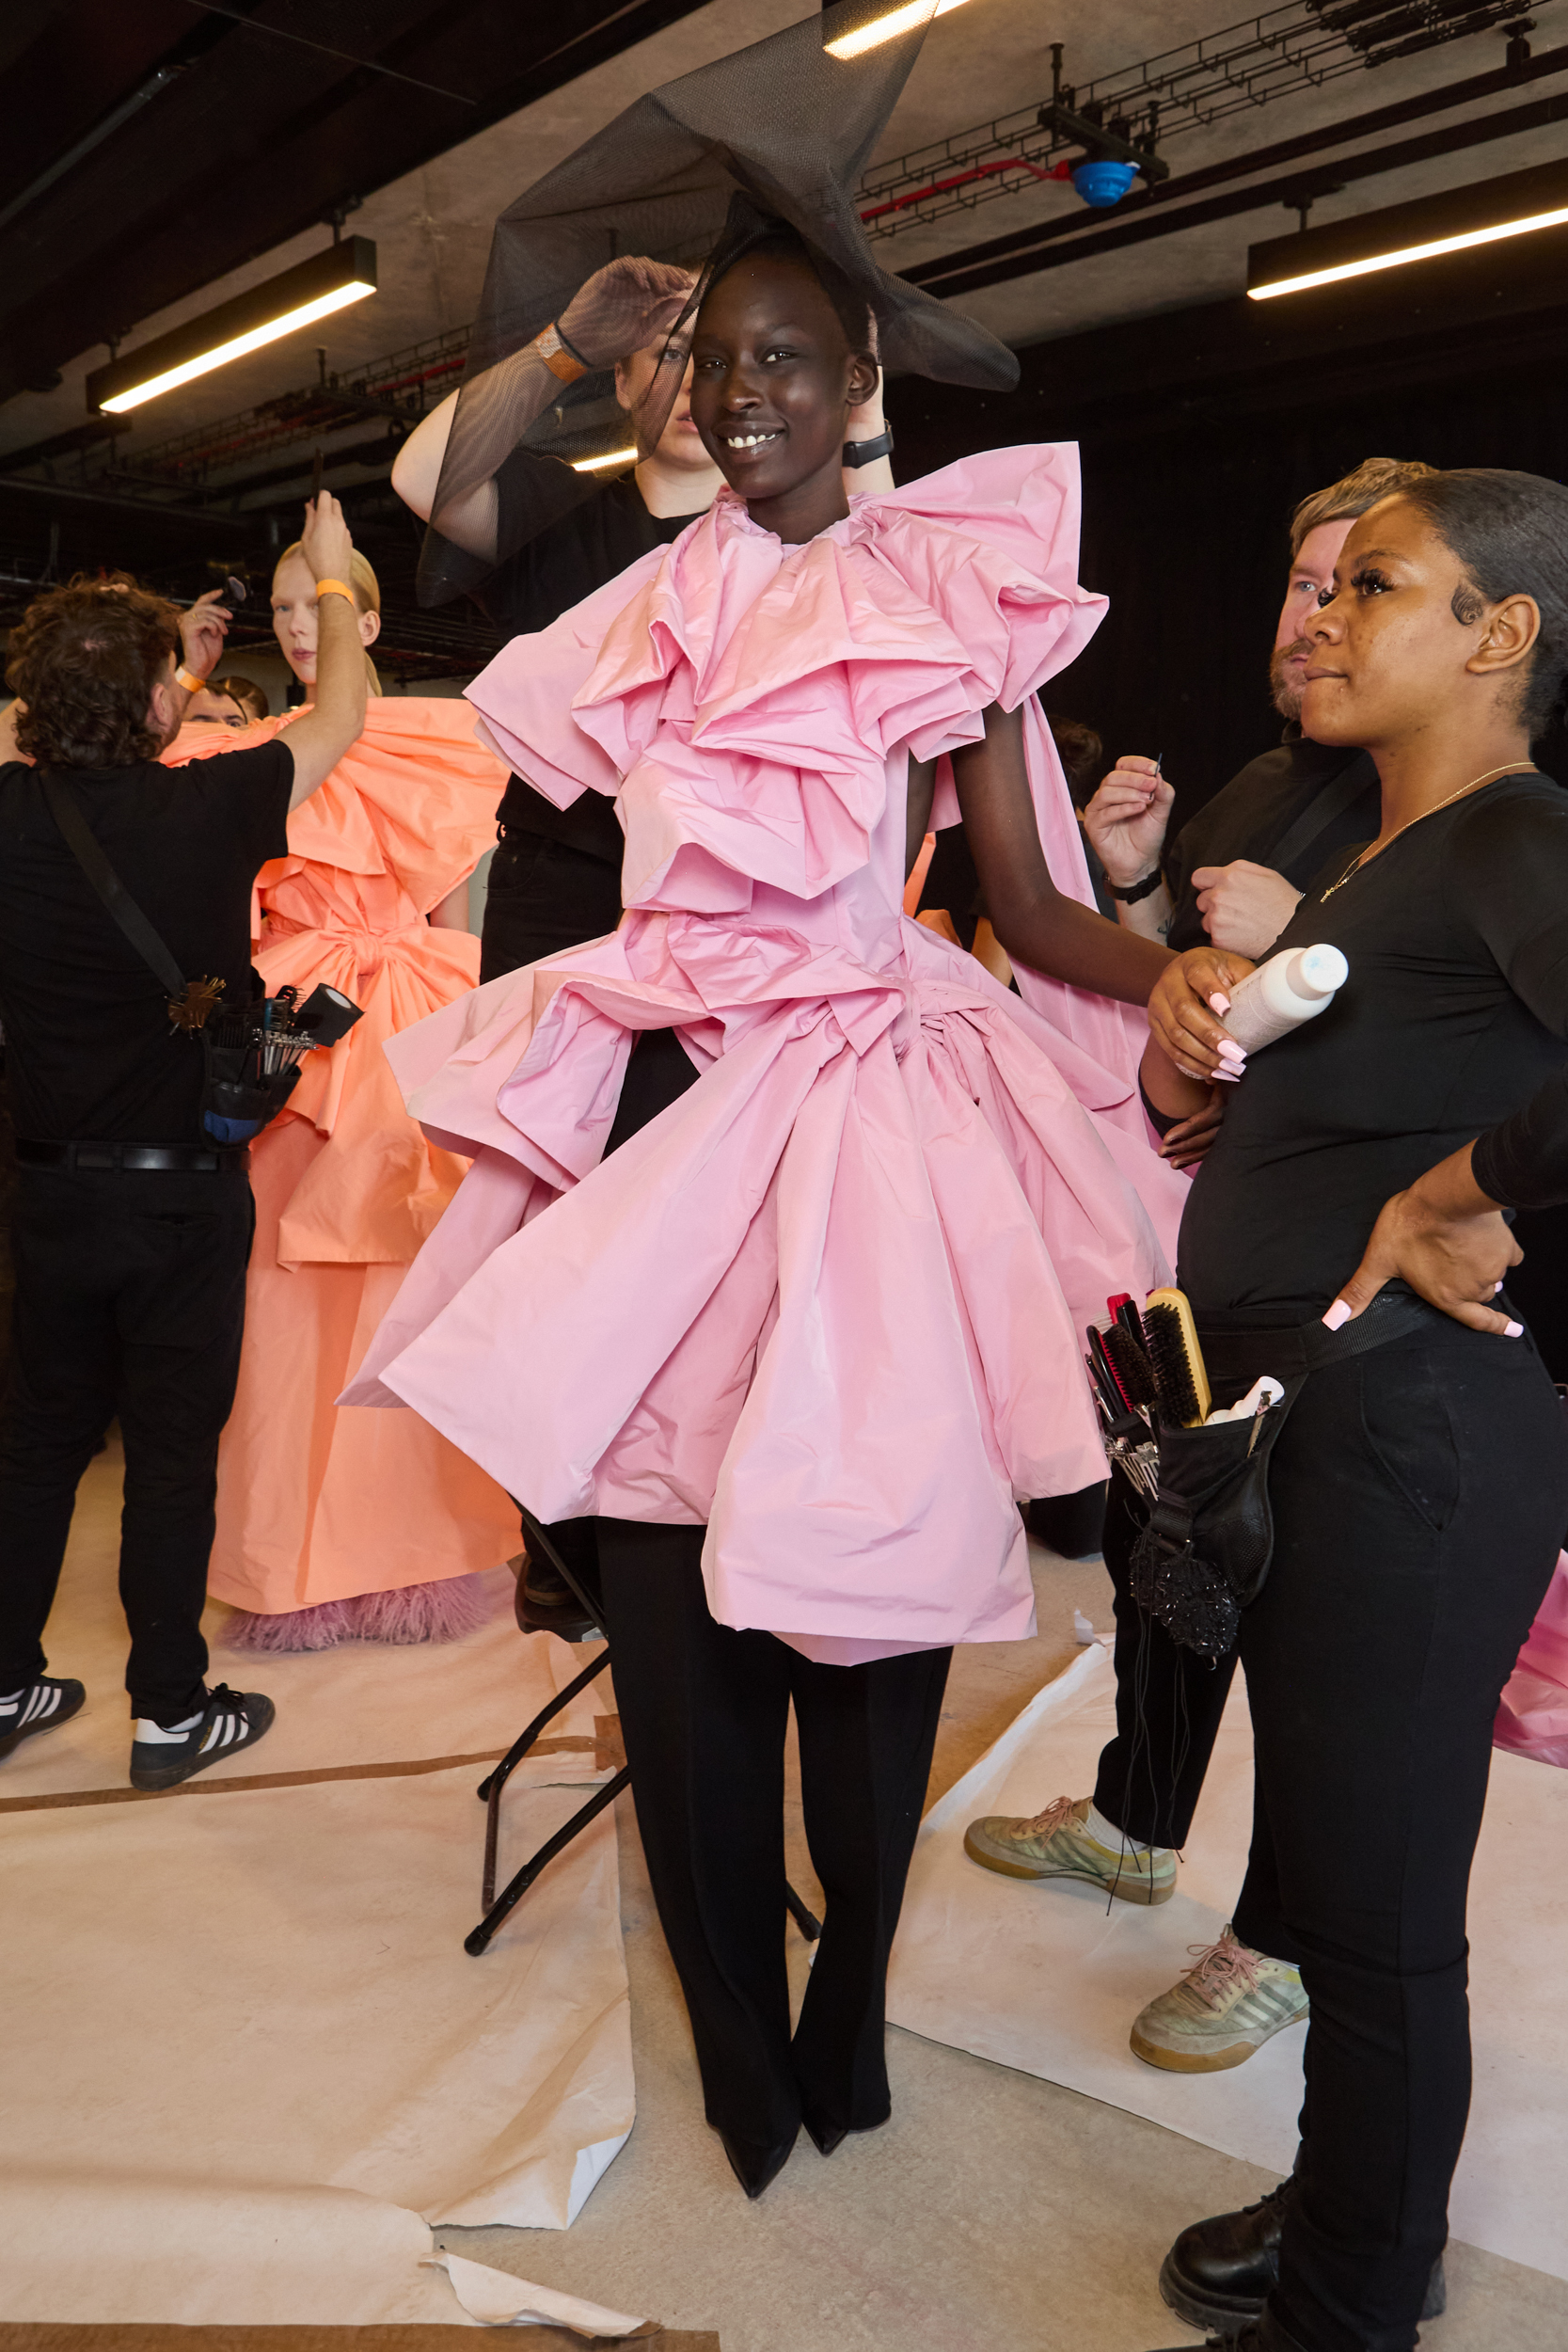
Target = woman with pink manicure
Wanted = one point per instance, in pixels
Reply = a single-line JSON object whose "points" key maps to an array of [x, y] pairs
{"points": [[1421, 1485]]}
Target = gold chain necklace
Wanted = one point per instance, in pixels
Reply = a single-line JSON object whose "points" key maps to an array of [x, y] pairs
{"points": [[1508, 767]]}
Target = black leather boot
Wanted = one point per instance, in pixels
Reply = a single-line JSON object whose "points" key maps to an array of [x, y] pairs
{"points": [[1221, 2272]]}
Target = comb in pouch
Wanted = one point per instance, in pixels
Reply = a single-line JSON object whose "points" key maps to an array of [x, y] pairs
{"points": [[1176, 1360]]}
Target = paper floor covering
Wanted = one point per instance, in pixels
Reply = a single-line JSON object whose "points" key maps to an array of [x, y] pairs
{"points": [[1048, 1979], [248, 2061]]}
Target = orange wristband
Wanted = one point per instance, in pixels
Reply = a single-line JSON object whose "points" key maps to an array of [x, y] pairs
{"points": [[559, 357], [333, 588], [188, 679]]}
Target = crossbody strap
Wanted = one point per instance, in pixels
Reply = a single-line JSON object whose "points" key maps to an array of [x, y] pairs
{"points": [[189, 1001], [85, 848], [1323, 809]]}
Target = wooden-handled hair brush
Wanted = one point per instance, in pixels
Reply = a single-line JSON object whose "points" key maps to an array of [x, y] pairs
{"points": [[1176, 1360]]}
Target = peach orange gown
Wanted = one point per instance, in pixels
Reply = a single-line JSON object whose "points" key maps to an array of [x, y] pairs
{"points": [[318, 1508]]}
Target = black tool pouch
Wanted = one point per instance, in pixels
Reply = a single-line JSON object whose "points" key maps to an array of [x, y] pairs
{"points": [[238, 1098], [1205, 1549], [1203, 1553], [250, 1061]]}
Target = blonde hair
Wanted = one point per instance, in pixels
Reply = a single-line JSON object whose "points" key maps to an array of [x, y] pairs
{"points": [[366, 595], [1348, 500]]}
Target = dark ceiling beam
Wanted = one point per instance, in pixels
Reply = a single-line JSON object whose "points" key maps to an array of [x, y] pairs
{"points": [[1163, 213], [262, 142], [1182, 373], [66, 494]]}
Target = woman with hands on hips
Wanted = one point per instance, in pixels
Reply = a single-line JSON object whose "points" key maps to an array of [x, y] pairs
{"points": [[1421, 1485]]}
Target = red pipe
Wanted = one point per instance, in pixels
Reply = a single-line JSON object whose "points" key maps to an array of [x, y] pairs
{"points": [[978, 171]]}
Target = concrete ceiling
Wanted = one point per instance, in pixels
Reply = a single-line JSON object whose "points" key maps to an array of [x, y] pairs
{"points": [[989, 59]]}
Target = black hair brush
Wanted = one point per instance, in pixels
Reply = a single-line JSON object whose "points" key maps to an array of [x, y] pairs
{"points": [[1176, 1360], [1130, 1365]]}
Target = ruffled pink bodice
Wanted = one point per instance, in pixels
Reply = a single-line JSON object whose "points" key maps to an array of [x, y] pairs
{"points": [[828, 1301]]}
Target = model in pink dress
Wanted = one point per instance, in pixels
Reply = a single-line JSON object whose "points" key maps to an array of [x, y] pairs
{"points": [[829, 1303]]}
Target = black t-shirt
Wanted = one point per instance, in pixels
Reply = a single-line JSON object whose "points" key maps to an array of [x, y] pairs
{"points": [[1255, 812], [1523, 1164], [90, 1050], [549, 574], [1455, 1012]]}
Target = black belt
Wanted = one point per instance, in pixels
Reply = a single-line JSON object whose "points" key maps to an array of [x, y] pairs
{"points": [[1239, 1355], [213, 1160]]}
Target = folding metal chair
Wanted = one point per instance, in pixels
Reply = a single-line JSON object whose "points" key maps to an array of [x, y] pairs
{"points": [[499, 1907]]}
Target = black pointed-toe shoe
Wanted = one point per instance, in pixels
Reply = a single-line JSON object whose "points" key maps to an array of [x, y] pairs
{"points": [[754, 2167], [1221, 2272]]}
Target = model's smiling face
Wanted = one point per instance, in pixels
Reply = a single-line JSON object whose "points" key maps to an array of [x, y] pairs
{"points": [[773, 377]]}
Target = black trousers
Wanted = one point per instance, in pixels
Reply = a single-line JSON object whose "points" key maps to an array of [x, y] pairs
{"points": [[544, 897], [1169, 1702], [704, 1713], [1419, 1496], [130, 1300]]}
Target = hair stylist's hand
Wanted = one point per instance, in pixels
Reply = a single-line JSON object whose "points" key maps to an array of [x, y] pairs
{"points": [[203, 630], [623, 307], [1184, 1012], [325, 542], [1127, 819], [1243, 906], [1447, 1241], [1185, 1144]]}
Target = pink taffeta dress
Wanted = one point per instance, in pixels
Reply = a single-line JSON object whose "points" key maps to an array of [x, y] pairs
{"points": [[830, 1301], [316, 1506]]}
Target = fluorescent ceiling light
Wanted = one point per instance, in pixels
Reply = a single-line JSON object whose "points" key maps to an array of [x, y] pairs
{"points": [[1409, 253], [330, 280], [888, 27], [597, 464]]}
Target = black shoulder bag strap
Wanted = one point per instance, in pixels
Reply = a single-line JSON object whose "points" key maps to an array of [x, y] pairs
{"points": [[1323, 810], [189, 1001]]}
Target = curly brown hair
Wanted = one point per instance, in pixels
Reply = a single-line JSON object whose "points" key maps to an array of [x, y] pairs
{"points": [[83, 662]]}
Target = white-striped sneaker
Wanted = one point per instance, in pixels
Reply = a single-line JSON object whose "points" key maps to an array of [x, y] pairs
{"points": [[1226, 2006], [1056, 1844], [230, 1720], [40, 1705]]}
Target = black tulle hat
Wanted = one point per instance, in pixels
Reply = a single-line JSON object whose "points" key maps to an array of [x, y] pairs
{"points": [[690, 173]]}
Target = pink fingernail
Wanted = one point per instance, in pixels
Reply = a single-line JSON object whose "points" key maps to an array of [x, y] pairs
{"points": [[1220, 1003], [1495, 1288], [1337, 1316], [1229, 1078], [1228, 1050], [1513, 1330]]}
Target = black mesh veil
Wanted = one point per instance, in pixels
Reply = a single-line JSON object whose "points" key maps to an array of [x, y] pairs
{"points": [[688, 174]]}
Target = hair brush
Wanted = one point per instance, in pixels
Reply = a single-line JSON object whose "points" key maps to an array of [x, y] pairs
{"points": [[1176, 1360], [1130, 1365]]}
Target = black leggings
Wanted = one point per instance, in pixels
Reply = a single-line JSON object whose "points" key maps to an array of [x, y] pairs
{"points": [[704, 1713], [1420, 1495]]}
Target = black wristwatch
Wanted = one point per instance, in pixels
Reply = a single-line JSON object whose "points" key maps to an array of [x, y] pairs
{"points": [[867, 453], [1140, 889]]}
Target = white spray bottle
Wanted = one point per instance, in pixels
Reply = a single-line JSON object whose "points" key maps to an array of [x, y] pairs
{"points": [[1292, 986]]}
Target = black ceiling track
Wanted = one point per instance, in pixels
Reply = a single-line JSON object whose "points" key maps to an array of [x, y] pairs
{"points": [[1166, 210]]}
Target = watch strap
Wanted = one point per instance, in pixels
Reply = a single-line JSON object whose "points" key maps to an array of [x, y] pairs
{"points": [[1130, 897], [867, 453]]}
